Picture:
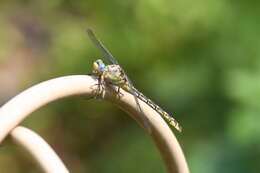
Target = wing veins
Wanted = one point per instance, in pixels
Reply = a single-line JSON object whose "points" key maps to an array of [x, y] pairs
{"points": [[100, 45], [107, 55]]}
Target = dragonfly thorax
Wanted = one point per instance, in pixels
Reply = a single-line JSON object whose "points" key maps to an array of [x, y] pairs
{"points": [[115, 69], [113, 74]]}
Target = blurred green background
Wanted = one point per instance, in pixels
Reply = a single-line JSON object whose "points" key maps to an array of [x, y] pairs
{"points": [[196, 59]]}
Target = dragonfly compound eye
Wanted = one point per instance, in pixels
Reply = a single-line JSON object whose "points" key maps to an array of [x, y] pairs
{"points": [[99, 65]]}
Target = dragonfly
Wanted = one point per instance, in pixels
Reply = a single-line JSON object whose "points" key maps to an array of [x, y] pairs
{"points": [[114, 74]]}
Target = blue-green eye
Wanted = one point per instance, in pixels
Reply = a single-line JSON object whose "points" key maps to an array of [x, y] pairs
{"points": [[101, 65]]}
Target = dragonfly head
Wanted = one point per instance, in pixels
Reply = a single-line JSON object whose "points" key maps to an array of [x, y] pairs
{"points": [[98, 66]]}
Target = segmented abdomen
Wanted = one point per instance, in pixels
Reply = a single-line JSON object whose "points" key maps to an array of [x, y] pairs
{"points": [[164, 114]]}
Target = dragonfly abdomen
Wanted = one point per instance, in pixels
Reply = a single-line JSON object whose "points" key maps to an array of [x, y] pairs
{"points": [[115, 75], [158, 109]]}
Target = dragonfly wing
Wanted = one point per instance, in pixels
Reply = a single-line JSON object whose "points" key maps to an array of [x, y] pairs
{"points": [[99, 44], [105, 52], [134, 93], [132, 90], [113, 60]]}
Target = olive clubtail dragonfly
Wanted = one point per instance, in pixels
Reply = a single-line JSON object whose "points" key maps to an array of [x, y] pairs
{"points": [[115, 75]]}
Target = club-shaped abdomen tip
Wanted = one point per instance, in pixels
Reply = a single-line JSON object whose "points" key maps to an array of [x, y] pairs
{"points": [[179, 128], [175, 124]]}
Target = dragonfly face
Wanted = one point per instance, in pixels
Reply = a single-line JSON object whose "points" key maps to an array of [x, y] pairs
{"points": [[98, 67]]}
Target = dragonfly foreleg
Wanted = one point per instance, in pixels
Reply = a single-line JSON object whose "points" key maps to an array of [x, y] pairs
{"points": [[99, 91]]}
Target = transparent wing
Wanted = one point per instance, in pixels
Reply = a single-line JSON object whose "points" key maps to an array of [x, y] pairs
{"points": [[130, 84], [113, 60], [107, 55], [99, 45]]}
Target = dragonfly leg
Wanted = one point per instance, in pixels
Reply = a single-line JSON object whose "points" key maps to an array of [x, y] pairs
{"points": [[102, 87], [99, 92], [118, 94]]}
